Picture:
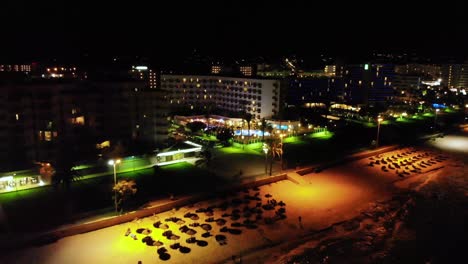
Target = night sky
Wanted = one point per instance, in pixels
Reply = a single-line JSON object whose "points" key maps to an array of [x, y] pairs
{"points": [[170, 32]]}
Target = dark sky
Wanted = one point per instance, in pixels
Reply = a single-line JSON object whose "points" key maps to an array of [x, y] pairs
{"points": [[170, 30]]}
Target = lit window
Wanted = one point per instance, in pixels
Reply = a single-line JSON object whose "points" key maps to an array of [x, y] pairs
{"points": [[79, 120], [47, 136], [17, 117]]}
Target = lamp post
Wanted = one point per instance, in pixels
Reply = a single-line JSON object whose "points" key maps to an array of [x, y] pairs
{"points": [[114, 163], [435, 118], [379, 119], [265, 150], [281, 136]]}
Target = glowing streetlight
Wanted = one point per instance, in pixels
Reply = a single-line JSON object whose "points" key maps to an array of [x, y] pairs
{"points": [[265, 150], [281, 136], [113, 163], [379, 120]]}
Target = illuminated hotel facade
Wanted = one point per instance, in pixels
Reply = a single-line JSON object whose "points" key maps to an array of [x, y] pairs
{"points": [[259, 97], [15, 68]]}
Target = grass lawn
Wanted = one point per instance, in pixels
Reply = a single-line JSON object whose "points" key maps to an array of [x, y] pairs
{"points": [[236, 148], [364, 123], [294, 140], [386, 122], [324, 135], [404, 120], [61, 205], [450, 110], [208, 138]]}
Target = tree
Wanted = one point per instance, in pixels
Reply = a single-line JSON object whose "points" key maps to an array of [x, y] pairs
{"points": [[196, 126], [64, 171], [124, 190], [46, 171], [205, 158], [207, 117], [263, 127], [225, 135], [63, 166], [275, 150], [248, 118], [117, 151], [269, 128]]}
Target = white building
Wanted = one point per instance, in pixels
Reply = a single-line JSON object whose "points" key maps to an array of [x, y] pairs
{"points": [[259, 97]]}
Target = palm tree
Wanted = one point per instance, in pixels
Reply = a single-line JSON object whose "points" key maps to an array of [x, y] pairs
{"points": [[275, 149], [248, 118], [269, 128], [207, 117], [263, 127]]}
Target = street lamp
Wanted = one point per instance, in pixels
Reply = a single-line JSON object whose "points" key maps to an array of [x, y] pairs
{"points": [[435, 118], [379, 119], [113, 163], [281, 136], [265, 150]]}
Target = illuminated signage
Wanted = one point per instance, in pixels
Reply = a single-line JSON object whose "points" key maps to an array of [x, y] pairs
{"points": [[141, 68]]}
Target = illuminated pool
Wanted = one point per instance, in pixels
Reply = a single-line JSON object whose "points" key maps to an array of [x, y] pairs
{"points": [[245, 132]]}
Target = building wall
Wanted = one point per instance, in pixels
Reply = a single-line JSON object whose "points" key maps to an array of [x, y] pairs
{"points": [[367, 83], [430, 70], [406, 82], [310, 90], [35, 118], [463, 82], [451, 74], [260, 97]]}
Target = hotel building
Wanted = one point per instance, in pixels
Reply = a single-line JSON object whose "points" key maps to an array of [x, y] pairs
{"points": [[259, 97]]}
